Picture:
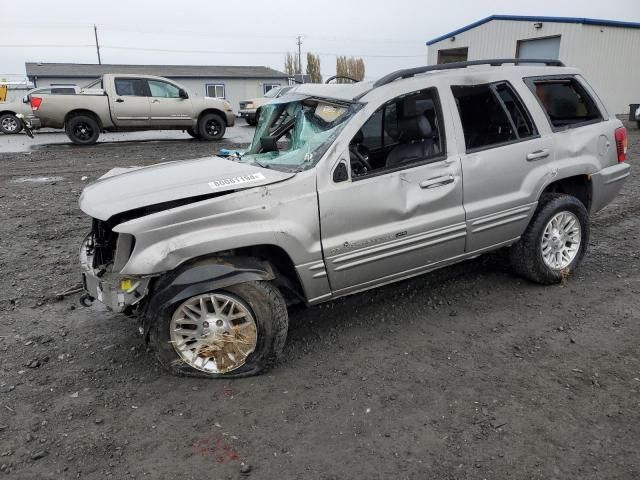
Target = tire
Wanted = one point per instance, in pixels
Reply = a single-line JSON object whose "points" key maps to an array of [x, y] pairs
{"points": [[261, 299], [638, 123], [193, 133], [211, 127], [527, 256], [82, 130], [10, 124]]}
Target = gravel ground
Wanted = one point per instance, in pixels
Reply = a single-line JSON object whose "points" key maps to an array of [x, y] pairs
{"points": [[469, 372]]}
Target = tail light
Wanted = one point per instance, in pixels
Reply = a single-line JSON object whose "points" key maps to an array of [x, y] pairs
{"points": [[622, 142], [35, 103]]}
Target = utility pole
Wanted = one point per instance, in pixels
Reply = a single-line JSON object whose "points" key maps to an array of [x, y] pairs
{"points": [[300, 54], [95, 32]]}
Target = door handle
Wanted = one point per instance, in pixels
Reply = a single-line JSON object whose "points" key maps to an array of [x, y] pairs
{"points": [[437, 181], [119, 100], [155, 101], [538, 155]]}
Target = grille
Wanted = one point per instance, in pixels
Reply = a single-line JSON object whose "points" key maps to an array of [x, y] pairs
{"points": [[103, 243]]}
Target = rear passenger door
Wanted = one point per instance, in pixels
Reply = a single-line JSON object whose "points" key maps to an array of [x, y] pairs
{"points": [[130, 106], [506, 156]]}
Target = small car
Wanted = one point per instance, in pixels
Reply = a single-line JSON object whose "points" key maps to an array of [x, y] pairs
{"points": [[347, 187]]}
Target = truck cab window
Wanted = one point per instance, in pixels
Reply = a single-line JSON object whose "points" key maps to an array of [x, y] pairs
{"points": [[163, 89], [401, 133], [131, 87]]}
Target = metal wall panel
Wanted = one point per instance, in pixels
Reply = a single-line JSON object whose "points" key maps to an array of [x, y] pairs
{"points": [[608, 56]]}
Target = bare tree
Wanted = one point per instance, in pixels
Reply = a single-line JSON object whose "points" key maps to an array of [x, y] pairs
{"points": [[290, 63], [349, 67], [313, 68]]}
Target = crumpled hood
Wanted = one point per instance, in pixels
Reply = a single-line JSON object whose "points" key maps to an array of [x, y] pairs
{"points": [[124, 189]]}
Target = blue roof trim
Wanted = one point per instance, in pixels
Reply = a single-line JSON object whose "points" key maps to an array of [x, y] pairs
{"points": [[520, 18]]}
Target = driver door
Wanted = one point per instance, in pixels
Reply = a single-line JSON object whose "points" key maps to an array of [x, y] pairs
{"points": [[168, 109], [386, 223]]}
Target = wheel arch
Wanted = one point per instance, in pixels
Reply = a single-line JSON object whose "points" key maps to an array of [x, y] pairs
{"points": [[579, 186], [80, 111], [216, 111], [10, 112]]}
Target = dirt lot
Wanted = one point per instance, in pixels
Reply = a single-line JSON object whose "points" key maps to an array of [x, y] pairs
{"points": [[469, 372]]}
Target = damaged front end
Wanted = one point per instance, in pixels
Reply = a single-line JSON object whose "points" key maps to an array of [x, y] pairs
{"points": [[103, 254]]}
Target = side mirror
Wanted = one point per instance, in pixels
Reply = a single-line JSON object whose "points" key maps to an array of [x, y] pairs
{"points": [[183, 93], [340, 174]]}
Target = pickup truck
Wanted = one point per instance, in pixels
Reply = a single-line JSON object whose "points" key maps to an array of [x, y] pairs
{"points": [[119, 102]]}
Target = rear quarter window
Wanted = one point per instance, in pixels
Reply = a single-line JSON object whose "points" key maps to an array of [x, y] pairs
{"points": [[565, 101]]}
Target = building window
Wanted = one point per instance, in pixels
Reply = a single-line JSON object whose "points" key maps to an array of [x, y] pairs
{"points": [[268, 86], [215, 90], [451, 55]]}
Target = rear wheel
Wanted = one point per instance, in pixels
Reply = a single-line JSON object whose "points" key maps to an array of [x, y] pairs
{"points": [[237, 331], [193, 133], [10, 124], [554, 242], [211, 126], [83, 130]]}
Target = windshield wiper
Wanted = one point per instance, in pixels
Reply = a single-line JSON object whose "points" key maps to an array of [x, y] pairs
{"points": [[260, 164]]}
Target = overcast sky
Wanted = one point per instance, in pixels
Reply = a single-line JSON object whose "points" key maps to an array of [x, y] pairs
{"points": [[388, 34]]}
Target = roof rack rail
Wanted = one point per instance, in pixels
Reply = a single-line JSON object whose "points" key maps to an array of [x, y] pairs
{"points": [[410, 72]]}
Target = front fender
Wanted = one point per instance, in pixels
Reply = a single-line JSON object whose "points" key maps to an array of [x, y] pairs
{"points": [[198, 277]]}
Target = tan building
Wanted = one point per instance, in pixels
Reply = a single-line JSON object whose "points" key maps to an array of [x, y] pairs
{"points": [[608, 52]]}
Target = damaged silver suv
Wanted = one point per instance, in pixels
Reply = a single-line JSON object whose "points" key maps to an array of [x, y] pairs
{"points": [[345, 188]]}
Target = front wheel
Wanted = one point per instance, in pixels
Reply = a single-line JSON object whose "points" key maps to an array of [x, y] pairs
{"points": [[10, 124], [211, 127], [83, 130], [555, 241], [193, 133], [233, 332]]}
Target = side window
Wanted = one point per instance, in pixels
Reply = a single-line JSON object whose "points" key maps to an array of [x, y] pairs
{"points": [[401, 133], [131, 87], [565, 101], [517, 111], [484, 121], [268, 86], [163, 89]]}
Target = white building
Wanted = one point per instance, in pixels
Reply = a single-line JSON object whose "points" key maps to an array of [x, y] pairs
{"points": [[608, 52], [232, 83]]}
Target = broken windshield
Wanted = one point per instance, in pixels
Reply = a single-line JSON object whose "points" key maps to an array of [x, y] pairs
{"points": [[294, 132]]}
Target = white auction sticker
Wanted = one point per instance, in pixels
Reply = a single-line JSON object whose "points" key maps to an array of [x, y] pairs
{"points": [[239, 180]]}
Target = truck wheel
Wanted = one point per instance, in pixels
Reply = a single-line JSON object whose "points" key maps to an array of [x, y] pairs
{"points": [[555, 241], [83, 130], [233, 332], [211, 126], [193, 133], [9, 124]]}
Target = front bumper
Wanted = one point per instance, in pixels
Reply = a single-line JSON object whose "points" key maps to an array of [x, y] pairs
{"points": [[231, 118], [607, 183], [249, 114], [105, 286]]}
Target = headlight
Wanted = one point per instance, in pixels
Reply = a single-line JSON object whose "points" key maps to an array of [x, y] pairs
{"points": [[248, 105]]}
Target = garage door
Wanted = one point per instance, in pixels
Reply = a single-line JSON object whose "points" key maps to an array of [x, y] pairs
{"points": [[540, 48]]}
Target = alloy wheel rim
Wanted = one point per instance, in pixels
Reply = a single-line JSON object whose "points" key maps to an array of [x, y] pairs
{"points": [[83, 131], [561, 240], [212, 127], [9, 124], [213, 333]]}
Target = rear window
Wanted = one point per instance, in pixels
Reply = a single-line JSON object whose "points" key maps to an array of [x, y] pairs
{"points": [[565, 101]]}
